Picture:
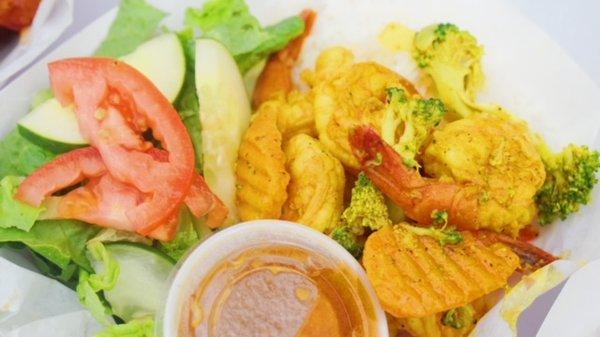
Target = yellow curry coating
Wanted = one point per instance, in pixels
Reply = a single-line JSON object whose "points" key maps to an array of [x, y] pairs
{"points": [[260, 172], [416, 276], [497, 153], [316, 189], [347, 94]]}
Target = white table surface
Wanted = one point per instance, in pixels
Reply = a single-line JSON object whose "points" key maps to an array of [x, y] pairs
{"points": [[573, 24]]}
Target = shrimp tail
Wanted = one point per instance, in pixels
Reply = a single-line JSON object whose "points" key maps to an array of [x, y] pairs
{"points": [[419, 197], [532, 257], [276, 77]]}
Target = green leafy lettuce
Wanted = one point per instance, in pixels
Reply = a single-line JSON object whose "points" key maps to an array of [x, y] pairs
{"points": [[90, 285], [231, 23], [20, 157], [136, 22], [61, 242], [185, 238], [143, 327], [187, 102], [13, 212]]}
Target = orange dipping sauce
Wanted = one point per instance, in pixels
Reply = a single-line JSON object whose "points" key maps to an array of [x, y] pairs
{"points": [[280, 291]]}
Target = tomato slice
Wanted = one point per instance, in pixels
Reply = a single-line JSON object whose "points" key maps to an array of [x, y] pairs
{"points": [[104, 200], [115, 104]]}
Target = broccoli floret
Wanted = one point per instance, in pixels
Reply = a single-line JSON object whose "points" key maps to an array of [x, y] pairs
{"points": [[348, 240], [444, 236], [440, 218], [570, 179], [416, 117], [367, 207], [459, 318], [452, 58]]}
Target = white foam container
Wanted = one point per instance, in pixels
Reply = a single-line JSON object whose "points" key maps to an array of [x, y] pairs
{"points": [[210, 253]]}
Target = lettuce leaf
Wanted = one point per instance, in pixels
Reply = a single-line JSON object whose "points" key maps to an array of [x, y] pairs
{"points": [[61, 242], [136, 22], [90, 285], [185, 238], [20, 157], [231, 23], [89, 297], [187, 101], [14, 213], [143, 327]]}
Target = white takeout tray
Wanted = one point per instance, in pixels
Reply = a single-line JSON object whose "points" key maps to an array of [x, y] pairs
{"points": [[527, 73], [50, 21]]}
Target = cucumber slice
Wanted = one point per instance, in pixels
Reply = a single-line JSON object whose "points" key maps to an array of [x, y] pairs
{"points": [[143, 279], [162, 61], [55, 127], [52, 126], [224, 114]]}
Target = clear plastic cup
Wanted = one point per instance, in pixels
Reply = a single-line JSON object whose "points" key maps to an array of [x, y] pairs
{"points": [[201, 261]]}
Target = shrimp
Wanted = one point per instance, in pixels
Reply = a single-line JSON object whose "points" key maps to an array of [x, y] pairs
{"points": [[276, 77], [420, 198]]}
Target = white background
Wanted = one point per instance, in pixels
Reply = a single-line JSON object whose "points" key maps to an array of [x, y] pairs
{"points": [[573, 24]]}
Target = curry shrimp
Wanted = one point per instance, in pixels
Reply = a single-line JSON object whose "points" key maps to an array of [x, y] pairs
{"points": [[347, 94], [316, 189]]}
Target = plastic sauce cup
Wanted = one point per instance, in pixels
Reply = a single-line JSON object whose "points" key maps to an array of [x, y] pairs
{"points": [[222, 247]]}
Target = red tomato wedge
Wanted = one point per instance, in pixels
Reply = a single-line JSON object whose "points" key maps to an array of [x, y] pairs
{"points": [[104, 200], [115, 104]]}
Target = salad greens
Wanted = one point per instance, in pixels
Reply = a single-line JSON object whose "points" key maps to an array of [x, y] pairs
{"points": [[90, 285], [187, 101], [15, 213], [72, 251], [142, 327], [186, 237], [231, 23], [136, 23], [20, 157], [59, 241]]}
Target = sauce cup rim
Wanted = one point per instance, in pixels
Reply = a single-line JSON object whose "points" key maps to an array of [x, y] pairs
{"points": [[200, 261]]}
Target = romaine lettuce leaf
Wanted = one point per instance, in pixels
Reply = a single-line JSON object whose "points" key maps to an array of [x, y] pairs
{"points": [[14, 213], [89, 297], [136, 22], [20, 157], [62, 242], [143, 327], [90, 285], [187, 101], [231, 23], [185, 238]]}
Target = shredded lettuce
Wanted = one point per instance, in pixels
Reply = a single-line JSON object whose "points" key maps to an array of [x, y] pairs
{"points": [[61, 242], [13, 212], [90, 285], [187, 101], [231, 23], [185, 238], [20, 157], [143, 327], [136, 22], [89, 297]]}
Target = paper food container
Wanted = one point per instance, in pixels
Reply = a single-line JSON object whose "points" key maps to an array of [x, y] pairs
{"points": [[527, 73], [50, 21]]}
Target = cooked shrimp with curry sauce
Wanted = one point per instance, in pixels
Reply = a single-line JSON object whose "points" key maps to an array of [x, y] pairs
{"points": [[472, 180]]}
